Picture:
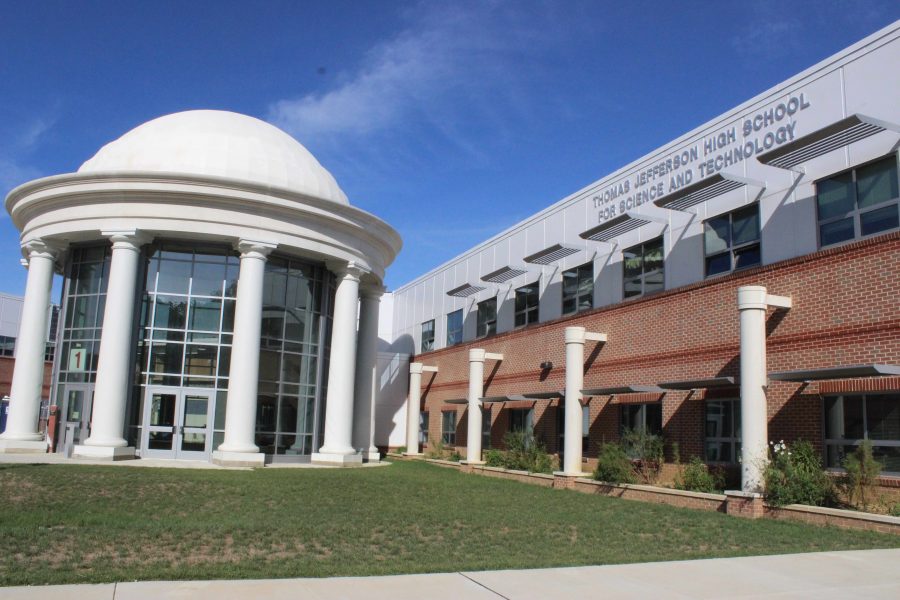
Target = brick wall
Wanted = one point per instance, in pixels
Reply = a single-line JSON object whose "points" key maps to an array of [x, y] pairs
{"points": [[846, 310]]}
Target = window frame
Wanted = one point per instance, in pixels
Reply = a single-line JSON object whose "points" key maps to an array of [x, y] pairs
{"points": [[853, 443], [486, 319], [459, 330], [643, 406], [527, 419], [641, 252], [856, 212], [448, 427], [734, 439], [422, 339], [531, 312], [731, 249], [578, 296]]}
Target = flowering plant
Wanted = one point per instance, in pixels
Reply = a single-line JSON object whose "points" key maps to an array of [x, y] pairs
{"points": [[794, 475]]}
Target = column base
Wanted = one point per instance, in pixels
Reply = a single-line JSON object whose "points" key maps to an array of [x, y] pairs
{"points": [[566, 481], [329, 458], [749, 505], [371, 455], [104, 452], [474, 463], [23, 447], [224, 458]]}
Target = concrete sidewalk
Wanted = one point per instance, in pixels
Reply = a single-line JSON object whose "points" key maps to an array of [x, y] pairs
{"points": [[823, 576]]}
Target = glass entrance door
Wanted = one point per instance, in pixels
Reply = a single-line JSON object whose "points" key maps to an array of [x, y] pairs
{"points": [[75, 410], [177, 423]]}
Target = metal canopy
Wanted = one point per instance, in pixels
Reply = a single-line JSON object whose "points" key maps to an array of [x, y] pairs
{"points": [[510, 398], [552, 254], [456, 401], [847, 372], [822, 141], [465, 290], [697, 384], [704, 190], [545, 395], [503, 274], [608, 230], [624, 389]]}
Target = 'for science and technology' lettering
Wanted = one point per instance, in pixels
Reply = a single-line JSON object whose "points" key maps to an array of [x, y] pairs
{"points": [[719, 151]]}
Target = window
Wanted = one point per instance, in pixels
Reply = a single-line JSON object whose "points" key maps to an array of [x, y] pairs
{"points": [[643, 267], [485, 427], [428, 335], [561, 428], [851, 419], [448, 427], [732, 241], [487, 318], [423, 427], [858, 203], [454, 327], [527, 301], [7, 345], [647, 417], [521, 419], [723, 431], [578, 289]]}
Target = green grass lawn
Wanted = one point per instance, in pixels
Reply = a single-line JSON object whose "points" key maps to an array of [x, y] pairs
{"points": [[71, 523]]}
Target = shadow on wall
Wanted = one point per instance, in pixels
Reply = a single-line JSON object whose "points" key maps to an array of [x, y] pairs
{"points": [[392, 373]]}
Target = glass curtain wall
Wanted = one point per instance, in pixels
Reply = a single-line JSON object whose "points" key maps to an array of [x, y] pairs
{"points": [[290, 358], [186, 322]]}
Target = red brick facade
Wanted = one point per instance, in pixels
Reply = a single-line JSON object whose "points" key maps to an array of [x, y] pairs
{"points": [[846, 311]]}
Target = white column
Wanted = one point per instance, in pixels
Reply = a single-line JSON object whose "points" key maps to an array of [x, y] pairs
{"points": [[116, 351], [366, 384], [752, 304], [21, 433], [476, 391], [337, 447], [413, 409], [575, 338], [239, 447]]}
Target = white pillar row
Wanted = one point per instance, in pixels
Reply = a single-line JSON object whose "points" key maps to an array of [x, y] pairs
{"points": [[337, 447], [477, 356], [114, 366], [414, 407], [21, 433], [752, 304], [238, 448], [366, 379], [575, 338]]}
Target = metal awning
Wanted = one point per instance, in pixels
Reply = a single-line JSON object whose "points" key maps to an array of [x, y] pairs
{"points": [[509, 398], [545, 395], [465, 290], [822, 141], [503, 274], [457, 401], [612, 228], [623, 389], [698, 384], [848, 372], [552, 254], [705, 189]]}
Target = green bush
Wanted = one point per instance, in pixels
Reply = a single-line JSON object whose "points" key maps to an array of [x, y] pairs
{"points": [[436, 449], [862, 473], [613, 465], [895, 510], [697, 477], [494, 458], [525, 453], [401, 450], [646, 450], [794, 475], [455, 456]]}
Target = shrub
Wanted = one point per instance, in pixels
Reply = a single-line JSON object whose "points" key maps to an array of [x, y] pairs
{"points": [[494, 458], [794, 475], [647, 452], [697, 477], [436, 448], [613, 465], [525, 453], [862, 473], [401, 450], [895, 510], [455, 456]]}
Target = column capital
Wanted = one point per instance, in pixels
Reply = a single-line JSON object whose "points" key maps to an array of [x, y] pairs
{"points": [[346, 270], [127, 238], [415, 368], [254, 248], [575, 335], [39, 248], [476, 355], [752, 297], [372, 291]]}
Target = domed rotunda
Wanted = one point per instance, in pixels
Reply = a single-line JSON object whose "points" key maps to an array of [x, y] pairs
{"points": [[220, 300]]}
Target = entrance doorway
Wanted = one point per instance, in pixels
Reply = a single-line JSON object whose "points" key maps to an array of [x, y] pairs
{"points": [[177, 423], [75, 411]]}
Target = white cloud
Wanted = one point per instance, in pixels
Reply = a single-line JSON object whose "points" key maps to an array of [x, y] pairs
{"points": [[455, 63], [15, 153]]}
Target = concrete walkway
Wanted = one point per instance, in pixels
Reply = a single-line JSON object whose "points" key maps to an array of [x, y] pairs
{"points": [[821, 576], [59, 459]]}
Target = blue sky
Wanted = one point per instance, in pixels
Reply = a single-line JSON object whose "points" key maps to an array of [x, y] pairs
{"points": [[449, 120]]}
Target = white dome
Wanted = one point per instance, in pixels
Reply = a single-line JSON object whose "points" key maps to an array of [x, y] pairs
{"points": [[219, 144]]}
